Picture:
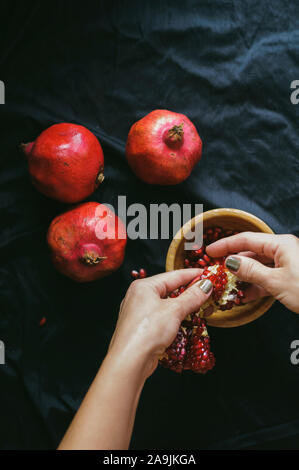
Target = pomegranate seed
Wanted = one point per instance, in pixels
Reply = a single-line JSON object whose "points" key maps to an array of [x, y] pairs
{"points": [[135, 274], [207, 258], [189, 350], [42, 321], [201, 262], [142, 273], [186, 263]]}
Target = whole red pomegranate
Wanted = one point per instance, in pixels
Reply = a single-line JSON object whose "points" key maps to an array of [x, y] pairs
{"points": [[163, 147], [87, 242], [66, 162]]}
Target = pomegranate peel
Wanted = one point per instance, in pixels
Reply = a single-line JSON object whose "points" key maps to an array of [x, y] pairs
{"points": [[174, 136], [91, 254], [65, 162], [77, 250], [163, 147]]}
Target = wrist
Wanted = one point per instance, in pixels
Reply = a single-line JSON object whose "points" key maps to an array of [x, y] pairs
{"points": [[130, 365]]}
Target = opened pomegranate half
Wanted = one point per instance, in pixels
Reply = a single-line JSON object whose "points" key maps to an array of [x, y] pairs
{"points": [[191, 347]]}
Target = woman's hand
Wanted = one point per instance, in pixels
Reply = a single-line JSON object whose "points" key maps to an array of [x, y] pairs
{"points": [[148, 323], [149, 320], [270, 262]]}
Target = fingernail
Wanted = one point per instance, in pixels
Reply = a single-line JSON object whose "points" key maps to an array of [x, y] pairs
{"points": [[205, 285], [232, 263]]}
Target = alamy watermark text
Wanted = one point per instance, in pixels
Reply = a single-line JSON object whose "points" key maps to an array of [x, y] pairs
{"points": [[2, 92]]}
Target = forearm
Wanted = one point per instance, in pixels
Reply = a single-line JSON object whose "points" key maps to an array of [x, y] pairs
{"points": [[106, 416]]}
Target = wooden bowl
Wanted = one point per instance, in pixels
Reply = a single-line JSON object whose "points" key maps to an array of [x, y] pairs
{"points": [[228, 219]]}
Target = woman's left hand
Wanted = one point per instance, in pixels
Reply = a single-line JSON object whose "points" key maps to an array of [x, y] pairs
{"points": [[149, 321]]}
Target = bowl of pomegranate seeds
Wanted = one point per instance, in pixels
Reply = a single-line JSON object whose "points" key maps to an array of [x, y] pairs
{"points": [[225, 307]]}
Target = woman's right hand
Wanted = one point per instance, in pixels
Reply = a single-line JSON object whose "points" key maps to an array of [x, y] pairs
{"points": [[270, 262]]}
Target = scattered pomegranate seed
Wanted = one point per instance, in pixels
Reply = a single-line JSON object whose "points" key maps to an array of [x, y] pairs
{"points": [[142, 273], [134, 274], [42, 321]]}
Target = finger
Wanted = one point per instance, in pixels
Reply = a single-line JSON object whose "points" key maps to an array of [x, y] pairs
{"points": [[121, 307], [261, 258], [167, 282], [288, 245], [261, 243], [254, 292], [250, 270], [193, 298]]}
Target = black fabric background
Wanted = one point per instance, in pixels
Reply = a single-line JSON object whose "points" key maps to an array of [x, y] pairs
{"points": [[228, 66]]}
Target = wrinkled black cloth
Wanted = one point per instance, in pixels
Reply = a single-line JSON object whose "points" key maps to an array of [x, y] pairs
{"points": [[228, 66]]}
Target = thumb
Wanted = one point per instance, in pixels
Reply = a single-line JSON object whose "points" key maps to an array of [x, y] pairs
{"points": [[194, 297], [252, 271]]}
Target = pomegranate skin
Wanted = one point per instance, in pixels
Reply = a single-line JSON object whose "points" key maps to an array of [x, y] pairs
{"points": [[163, 147], [66, 162], [77, 250]]}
